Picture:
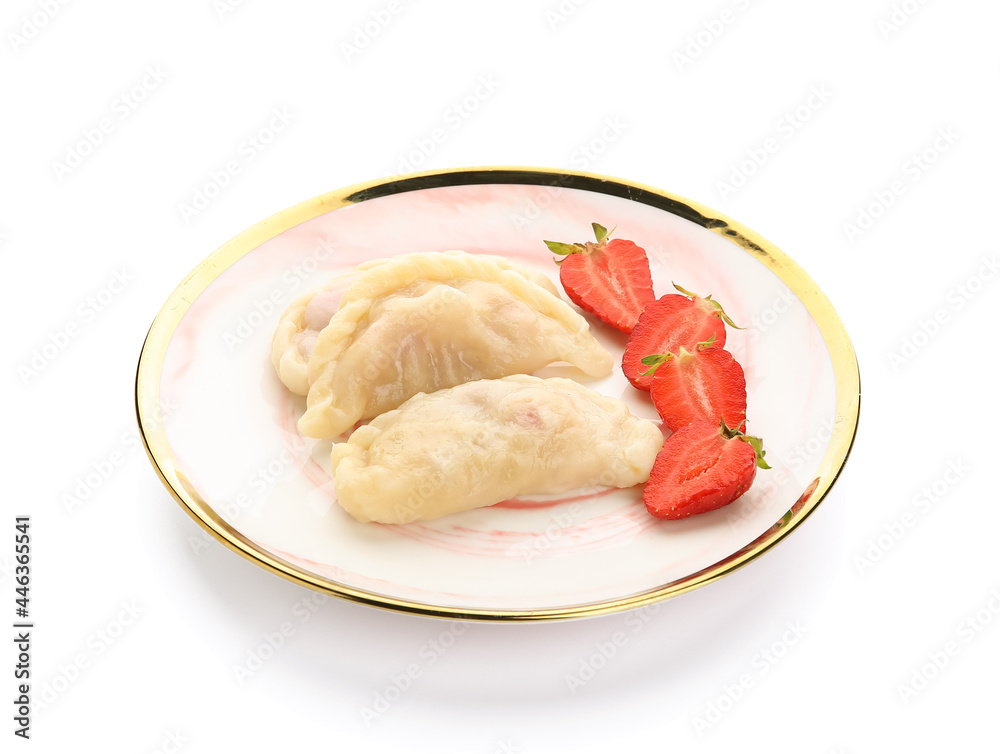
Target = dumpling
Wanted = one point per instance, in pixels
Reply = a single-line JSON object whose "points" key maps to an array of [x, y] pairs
{"points": [[487, 441], [425, 322], [295, 337], [300, 325]]}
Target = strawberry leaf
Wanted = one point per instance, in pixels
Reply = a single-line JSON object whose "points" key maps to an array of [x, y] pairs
{"points": [[564, 248], [758, 446], [713, 302], [722, 312], [687, 292], [754, 442], [654, 361], [601, 233]]}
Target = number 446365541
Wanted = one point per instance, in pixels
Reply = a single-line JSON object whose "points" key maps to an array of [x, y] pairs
{"points": [[23, 557]]}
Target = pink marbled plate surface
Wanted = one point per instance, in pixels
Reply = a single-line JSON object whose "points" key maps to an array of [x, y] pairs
{"points": [[232, 424]]}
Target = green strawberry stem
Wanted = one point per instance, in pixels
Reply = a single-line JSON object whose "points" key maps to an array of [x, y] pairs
{"points": [[563, 249], [601, 233], [754, 442], [716, 304], [654, 361]]}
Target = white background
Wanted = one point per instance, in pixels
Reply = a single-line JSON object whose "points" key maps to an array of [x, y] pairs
{"points": [[142, 625]]}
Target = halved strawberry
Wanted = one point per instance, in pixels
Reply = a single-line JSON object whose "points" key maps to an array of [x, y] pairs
{"points": [[708, 384], [610, 278], [671, 323], [701, 468]]}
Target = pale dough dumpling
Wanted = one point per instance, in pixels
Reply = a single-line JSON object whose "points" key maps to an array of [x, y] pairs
{"points": [[300, 325], [487, 441], [425, 322]]}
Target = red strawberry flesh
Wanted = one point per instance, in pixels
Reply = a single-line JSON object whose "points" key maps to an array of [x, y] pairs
{"points": [[667, 325], [609, 279], [699, 470], [708, 384]]}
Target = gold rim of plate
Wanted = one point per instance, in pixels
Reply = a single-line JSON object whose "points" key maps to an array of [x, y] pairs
{"points": [[845, 365]]}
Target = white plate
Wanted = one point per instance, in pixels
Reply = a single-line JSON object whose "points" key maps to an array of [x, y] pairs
{"points": [[226, 444]]}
